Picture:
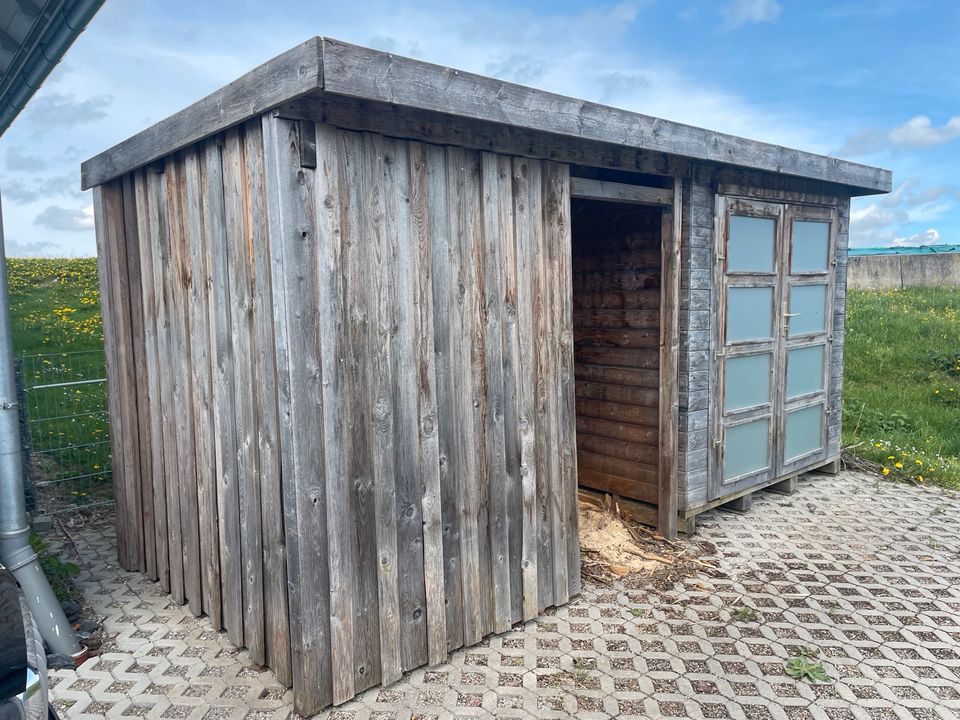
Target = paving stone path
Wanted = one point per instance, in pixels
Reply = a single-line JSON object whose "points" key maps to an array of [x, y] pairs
{"points": [[864, 576]]}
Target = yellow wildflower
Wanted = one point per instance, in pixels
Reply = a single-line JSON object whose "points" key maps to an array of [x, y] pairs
{"points": [[898, 465], [886, 471]]}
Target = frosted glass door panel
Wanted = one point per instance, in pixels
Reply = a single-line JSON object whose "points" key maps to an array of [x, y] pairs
{"points": [[804, 371], [750, 244], [807, 307], [747, 448], [804, 432], [811, 246], [749, 313], [748, 382]]}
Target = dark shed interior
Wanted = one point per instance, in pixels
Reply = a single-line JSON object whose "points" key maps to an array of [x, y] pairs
{"points": [[616, 325]]}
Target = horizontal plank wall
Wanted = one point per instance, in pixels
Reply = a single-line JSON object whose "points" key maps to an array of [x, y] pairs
{"points": [[616, 325], [423, 332]]}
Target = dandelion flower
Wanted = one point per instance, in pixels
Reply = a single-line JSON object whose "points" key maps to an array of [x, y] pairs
{"points": [[886, 471], [898, 465]]}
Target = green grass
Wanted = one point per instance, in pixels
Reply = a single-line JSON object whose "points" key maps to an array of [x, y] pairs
{"points": [[55, 312], [54, 305], [902, 383]]}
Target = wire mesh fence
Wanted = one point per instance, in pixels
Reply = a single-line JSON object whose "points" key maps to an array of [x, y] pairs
{"points": [[67, 429]]}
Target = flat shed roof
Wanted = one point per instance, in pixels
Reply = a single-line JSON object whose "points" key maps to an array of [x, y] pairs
{"points": [[323, 67]]}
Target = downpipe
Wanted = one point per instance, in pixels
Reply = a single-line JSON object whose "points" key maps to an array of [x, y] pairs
{"points": [[16, 553]]}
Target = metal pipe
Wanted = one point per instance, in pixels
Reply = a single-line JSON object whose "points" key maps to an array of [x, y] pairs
{"points": [[69, 21], [16, 554]]}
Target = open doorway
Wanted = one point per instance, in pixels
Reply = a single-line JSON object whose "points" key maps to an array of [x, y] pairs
{"points": [[616, 326], [625, 345]]}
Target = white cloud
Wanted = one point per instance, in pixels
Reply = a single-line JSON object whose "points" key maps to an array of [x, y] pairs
{"points": [[743, 12], [917, 132], [64, 219], [930, 236]]}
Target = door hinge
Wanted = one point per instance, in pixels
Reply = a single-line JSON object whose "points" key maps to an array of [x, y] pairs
{"points": [[717, 442], [718, 353]]}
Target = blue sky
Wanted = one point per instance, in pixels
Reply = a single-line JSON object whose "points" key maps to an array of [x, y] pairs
{"points": [[875, 81]]}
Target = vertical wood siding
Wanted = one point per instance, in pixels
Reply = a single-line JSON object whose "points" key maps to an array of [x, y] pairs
{"points": [[344, 392]]}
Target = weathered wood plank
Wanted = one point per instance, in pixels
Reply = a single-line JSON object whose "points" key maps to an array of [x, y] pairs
{"points": [[146, 222], [198, 318], [381, 410], [277, 627], [423, 237], [360, 305], [401, 264], [462, 192], [442, 191], [557, 291], [546, 436], [340, 536], [641, 489], [624, 449], [525, 208], [369, 74], [617, 375], [240, 269], [589, 189], [108, 215], [181, 278], [138, 392], [648, 397], [279, 80], [669, 421], [496, 229], [617, 430], [223, 370], [292, 229], [163, 263]]}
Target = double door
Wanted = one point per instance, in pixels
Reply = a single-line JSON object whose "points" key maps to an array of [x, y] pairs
{"points": [[775, 277]]}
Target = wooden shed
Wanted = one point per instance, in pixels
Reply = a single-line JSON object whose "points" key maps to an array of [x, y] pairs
{"points": [[370, 321]]}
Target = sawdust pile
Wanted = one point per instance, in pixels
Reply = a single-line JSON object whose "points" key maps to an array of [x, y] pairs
{"points": [[613, 546]]}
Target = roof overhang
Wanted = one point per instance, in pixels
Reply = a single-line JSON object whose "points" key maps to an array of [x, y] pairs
{"points": [[34, 35], [328, 69]]}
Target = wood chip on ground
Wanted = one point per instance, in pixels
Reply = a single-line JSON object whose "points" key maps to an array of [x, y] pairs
{"points": [[613, 546]]}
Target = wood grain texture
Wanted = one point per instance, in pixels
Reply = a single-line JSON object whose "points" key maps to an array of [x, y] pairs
{"points": [[223, 371], [146, 218], [330, 300], [379, 442], [358, 301], [137, 392], [276, 624], [525, 240], [108, 215], [669, 400], [279, 80], [359, 72], [162, 262], [294, 261], [381, 408], [181, 277], [424, 230], [617, 263]]}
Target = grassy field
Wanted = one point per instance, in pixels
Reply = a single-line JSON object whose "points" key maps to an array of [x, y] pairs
{"points": [[902, 386], [58, 334], [54, 305]]}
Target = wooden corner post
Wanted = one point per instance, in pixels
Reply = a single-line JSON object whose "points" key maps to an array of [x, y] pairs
{"points": [[669, 365]]}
